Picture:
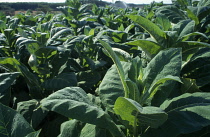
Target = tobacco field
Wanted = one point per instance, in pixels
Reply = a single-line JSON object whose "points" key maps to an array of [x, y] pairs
{"points": [[106, 72]]}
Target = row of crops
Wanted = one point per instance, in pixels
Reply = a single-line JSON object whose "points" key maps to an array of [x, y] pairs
{"points": [[106, 72]]}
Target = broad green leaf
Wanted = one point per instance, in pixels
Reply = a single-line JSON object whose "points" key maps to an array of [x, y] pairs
{"points": [[74, 40], [39, 60], [186, 113], [14, 65], [185, 27], [150, 14], [42, 37], [90, 130], [61, 81], [73, 102], [56, 34], [59, 33], [165, 63], [133, 112], [186, 37], [31, 112], [117, 36], [188, 54], [122, 55], [173, 13], [201, 57], [56, 30], [31, 45], [125, 107], [133, 87], [136, 69], [71, 128], [197, 67], [95, 100], [150, 27], [151, 116], [198, 13], [149, 47], [118, 65], [131, 26], [10, 64], [88, 31], [10, 37], [191, 15], [84, 7], [188, 45], [111, 86], [149, 94], [164, 22], [12, 124], [184, 30], [22, 32], [134, 79], [6, 80], [26, 108], [45, 52]]}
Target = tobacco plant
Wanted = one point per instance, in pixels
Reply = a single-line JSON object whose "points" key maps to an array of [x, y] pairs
{"points": [[100, 71]]}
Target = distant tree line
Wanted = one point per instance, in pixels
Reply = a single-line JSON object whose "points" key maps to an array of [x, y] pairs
{"points": [[10, 8], [31, 5]]}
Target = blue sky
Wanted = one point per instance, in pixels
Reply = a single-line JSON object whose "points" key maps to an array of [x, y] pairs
{"points": [[126, 1]]}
